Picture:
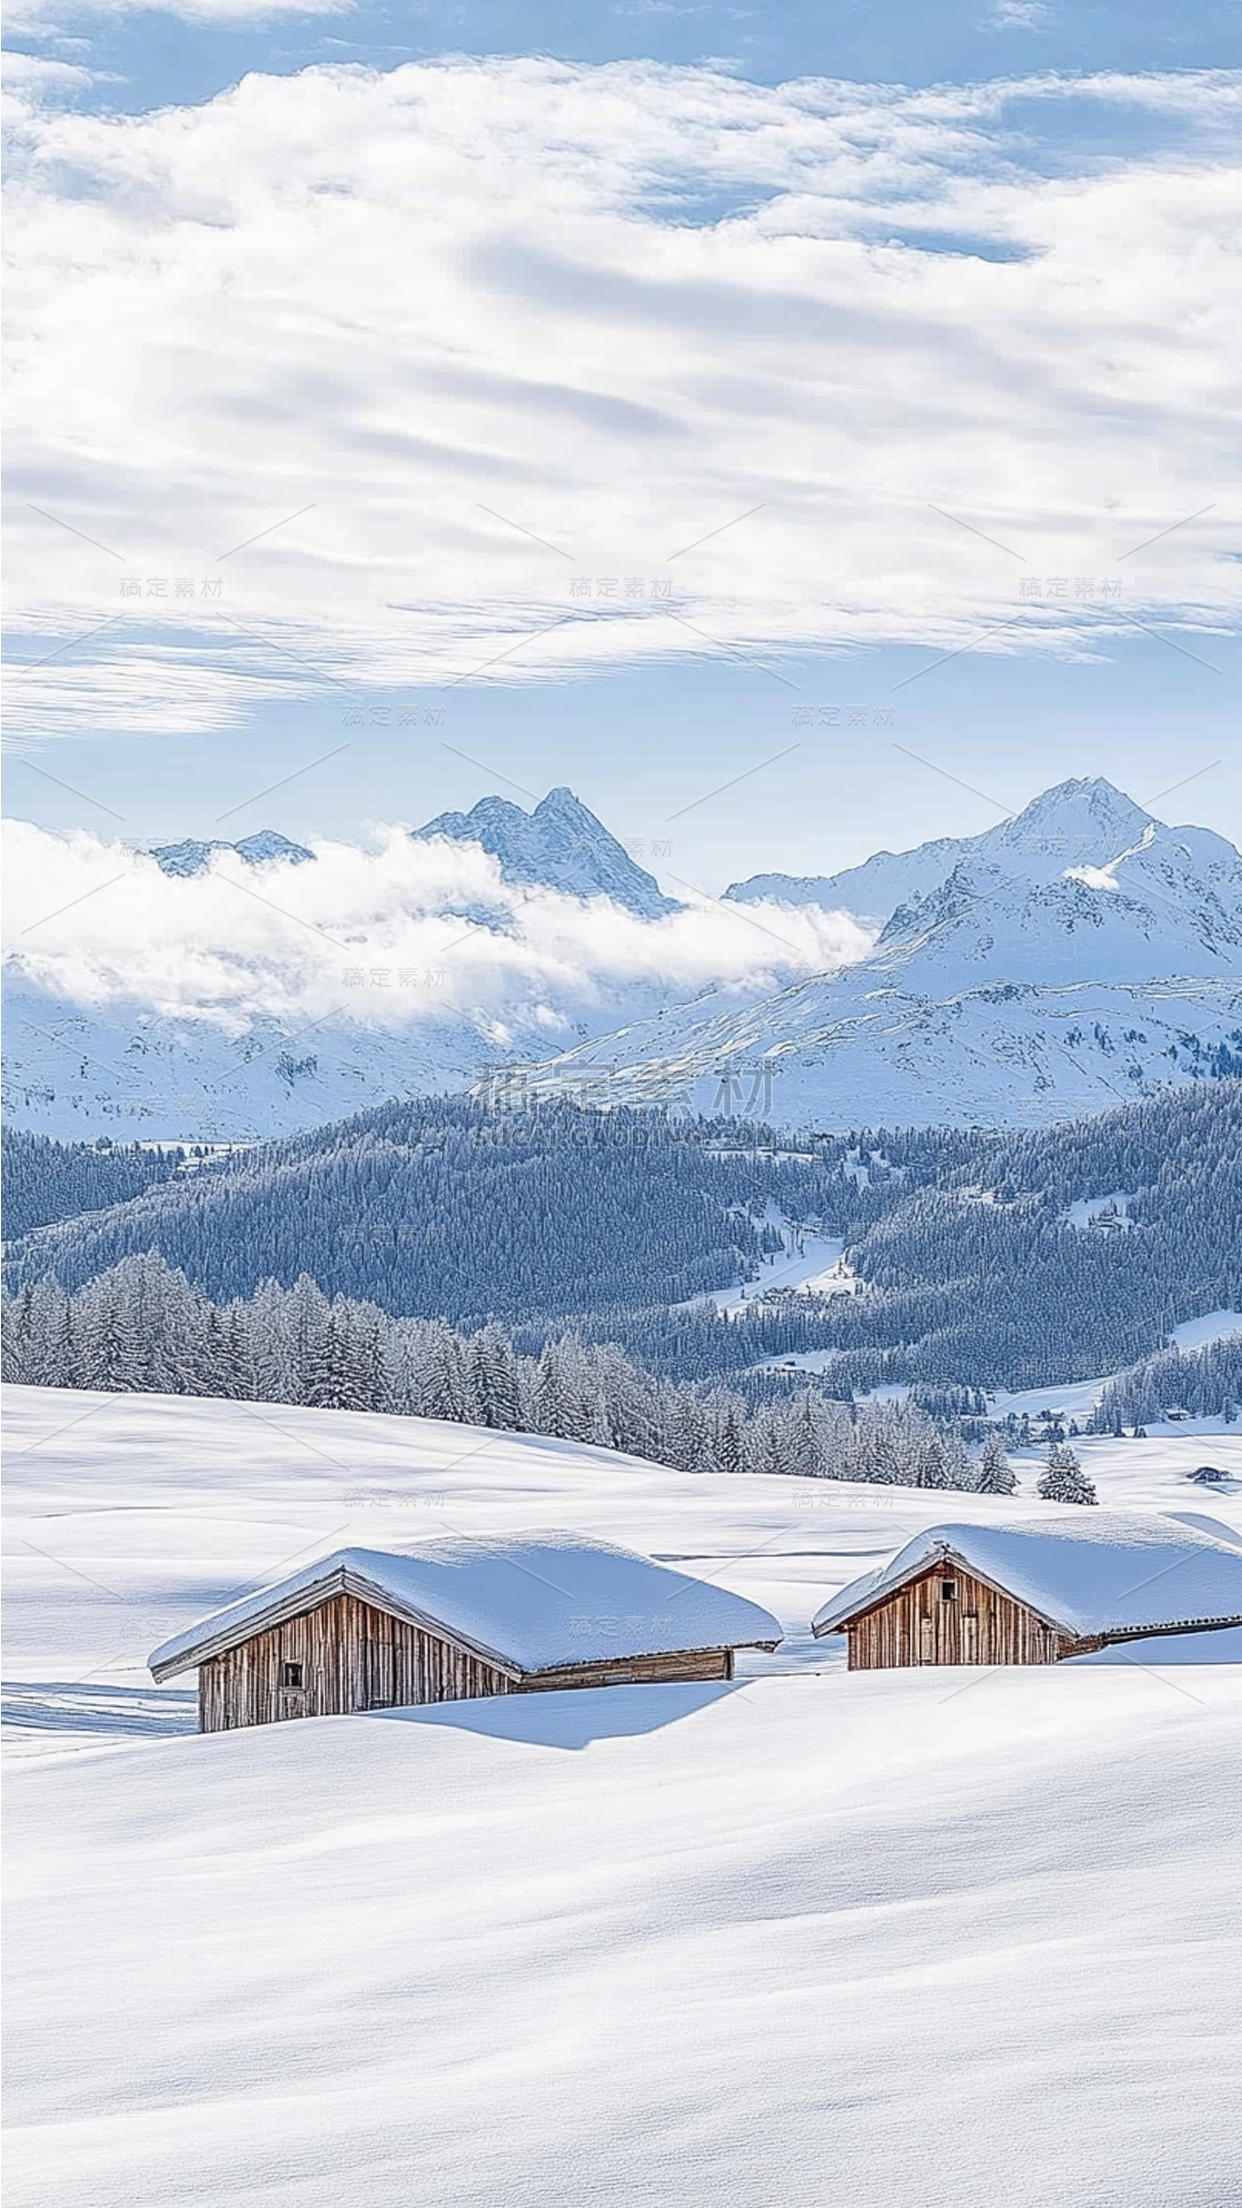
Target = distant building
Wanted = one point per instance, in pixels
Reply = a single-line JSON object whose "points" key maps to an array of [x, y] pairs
{"points": [[1036, 1591], [366, 1629]]}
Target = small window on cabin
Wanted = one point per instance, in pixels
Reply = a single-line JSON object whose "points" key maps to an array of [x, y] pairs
{"points": [[291, 1675], [948, 1590]]}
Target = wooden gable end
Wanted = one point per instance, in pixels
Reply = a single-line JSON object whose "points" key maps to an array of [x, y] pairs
{"points": [[924, 1623], [340, 1656]]}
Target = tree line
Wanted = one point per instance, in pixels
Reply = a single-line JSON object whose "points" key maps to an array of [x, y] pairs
{"points": [[142, 1327]]}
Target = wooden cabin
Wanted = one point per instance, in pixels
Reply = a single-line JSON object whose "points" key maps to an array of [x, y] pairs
{"points": [[367, 1629], [1036, 1591]]}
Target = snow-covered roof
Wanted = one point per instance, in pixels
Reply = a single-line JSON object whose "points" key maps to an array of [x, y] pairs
{"points": [[1083, 1569], [524, 1602]]}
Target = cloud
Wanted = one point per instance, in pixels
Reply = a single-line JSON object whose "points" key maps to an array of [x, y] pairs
{"points": [[476, 350], [98, 923], [36, 76], [45, 15], [1019, 15]]}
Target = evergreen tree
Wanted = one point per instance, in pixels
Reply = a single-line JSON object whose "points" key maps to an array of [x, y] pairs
{"points": [[729, 1445], [996, 1476], [335, 1381], [932, 1464], [1063, 1479], [548, 1408]]}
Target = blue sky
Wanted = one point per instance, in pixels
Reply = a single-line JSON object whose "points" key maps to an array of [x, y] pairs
{"points": [[853, 358], [155, 55], [649, 751]]}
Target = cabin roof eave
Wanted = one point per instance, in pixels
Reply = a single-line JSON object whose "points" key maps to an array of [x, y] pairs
{"points": [[343, 1580], [642, 1655]]}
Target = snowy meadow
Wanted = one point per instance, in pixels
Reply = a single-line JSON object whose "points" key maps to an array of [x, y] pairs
{"points": [[685, 1941]]}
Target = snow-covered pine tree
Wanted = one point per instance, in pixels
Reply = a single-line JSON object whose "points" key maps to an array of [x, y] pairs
{"points": [[548, 1408], [729, 1444], [494, 1371], [213, 1368], [1063, 1479], [996, 1474], [337, 1381], [932, 1463], [444, 1391]]}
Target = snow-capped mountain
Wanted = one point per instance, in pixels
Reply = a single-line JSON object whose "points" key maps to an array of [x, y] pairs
{"points": [[561, 845], [1079, 823], [193, 857], [1080, 953], [1018, 986]]}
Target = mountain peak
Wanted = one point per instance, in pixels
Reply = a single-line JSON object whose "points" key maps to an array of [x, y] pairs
{"points": [[1089, 803], [560, 845], [195, 857], [1084, 821]]}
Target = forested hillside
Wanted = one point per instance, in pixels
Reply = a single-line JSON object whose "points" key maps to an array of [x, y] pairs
{"points": [[1202, 1382], [44, 1180], [980, 1260]]}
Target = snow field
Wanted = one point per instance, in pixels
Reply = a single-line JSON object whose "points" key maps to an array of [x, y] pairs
{"points": [[915, 1940], [638, 1946]]}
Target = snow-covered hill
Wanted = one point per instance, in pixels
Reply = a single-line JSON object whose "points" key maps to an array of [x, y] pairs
{"points": [[629, 1944], [135, 1074]]}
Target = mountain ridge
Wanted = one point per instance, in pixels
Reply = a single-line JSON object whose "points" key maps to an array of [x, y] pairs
{"points": [[1077, 952], [1081, 821], [194, 857]]}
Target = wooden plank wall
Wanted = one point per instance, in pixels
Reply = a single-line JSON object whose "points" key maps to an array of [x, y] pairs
{"points": [[979, 1626], [353, 1657]]}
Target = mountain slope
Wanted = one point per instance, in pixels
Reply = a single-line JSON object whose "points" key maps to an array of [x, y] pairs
{"points": [[499, 1951], [133, 1074], [1078, 954]]}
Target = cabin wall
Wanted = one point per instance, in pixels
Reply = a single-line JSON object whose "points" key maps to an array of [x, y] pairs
{"points": [[978, 1626], [356, 1657], [353, 1657]]}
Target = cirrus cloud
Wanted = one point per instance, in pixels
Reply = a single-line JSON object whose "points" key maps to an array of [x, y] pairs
{"points": [[480, 353]]}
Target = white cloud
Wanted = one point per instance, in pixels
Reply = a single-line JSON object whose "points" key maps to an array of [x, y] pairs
{"points": [[35, 74], [618, 307], [44, 15], [1019, 15], [98, 923], [1091, 877]]}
